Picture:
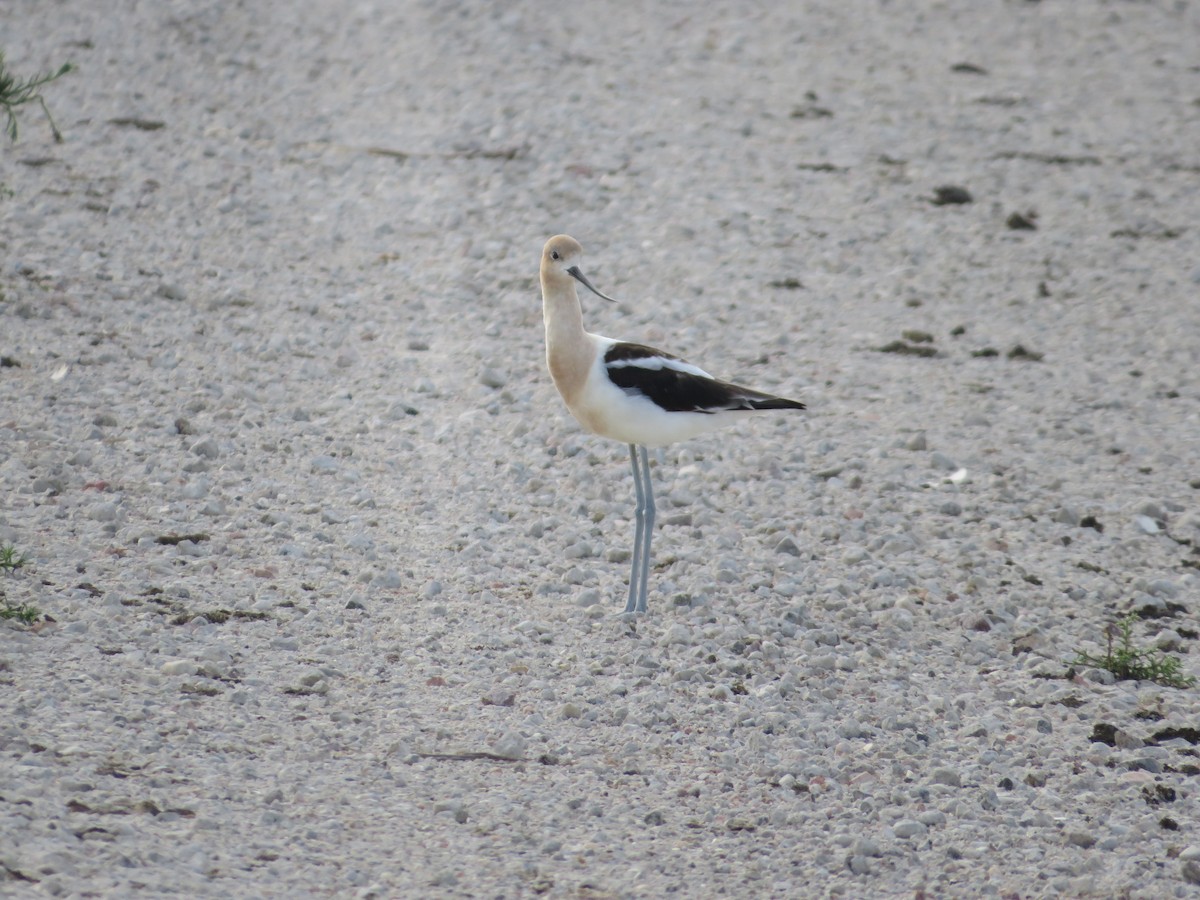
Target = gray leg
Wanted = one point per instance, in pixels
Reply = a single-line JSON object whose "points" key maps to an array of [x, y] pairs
{"points": [[648, 511], [639, 530]]}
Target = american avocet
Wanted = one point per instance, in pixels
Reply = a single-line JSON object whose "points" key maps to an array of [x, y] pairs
{"points": [[630, 392]]}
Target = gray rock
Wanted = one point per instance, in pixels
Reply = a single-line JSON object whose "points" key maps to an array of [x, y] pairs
{"points": [[947, 777], [492, 377], [1190, 871], [206, 448], [788, 546], [388, 580], [1066, 515], [511, 745], [942, 462], [1146, 525], [909, 828]]}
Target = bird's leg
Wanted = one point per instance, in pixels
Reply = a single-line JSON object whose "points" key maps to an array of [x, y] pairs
{"points": [[639, 529], [647, 526]]}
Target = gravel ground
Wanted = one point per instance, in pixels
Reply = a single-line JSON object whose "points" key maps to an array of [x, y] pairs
{"points": [[330, 577]]}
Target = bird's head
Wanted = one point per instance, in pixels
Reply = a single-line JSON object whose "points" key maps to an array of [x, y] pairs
{"points": [[560, 261]]}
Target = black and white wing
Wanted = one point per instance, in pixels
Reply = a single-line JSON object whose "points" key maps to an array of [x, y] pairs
{"points": [[675, 385]]}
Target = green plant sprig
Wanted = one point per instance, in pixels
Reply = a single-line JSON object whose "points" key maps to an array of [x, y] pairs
{"points": [[1129, 663], [22, 612], [14, 92], [10, 559]]}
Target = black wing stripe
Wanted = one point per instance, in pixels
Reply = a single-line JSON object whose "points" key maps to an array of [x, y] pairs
{"points": [[678, 391]]}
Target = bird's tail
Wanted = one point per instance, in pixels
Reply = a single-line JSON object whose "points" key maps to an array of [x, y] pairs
{"points": [[773, 403]]}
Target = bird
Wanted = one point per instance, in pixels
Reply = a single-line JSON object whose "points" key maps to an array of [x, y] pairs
{"points": [[630, 392]]}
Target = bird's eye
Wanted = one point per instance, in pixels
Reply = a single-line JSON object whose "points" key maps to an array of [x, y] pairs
{"points": [[554, 254]]}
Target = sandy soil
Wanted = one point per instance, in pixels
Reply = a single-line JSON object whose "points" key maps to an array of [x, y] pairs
{"points": [[328, 578]]}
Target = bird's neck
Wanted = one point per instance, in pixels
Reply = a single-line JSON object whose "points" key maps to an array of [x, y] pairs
{"points": [[569, 351]]}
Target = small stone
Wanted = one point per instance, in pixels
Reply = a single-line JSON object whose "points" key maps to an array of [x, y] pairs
{"points": [[1151, 509], [1168, 640], [311, 677], [1081, 839], [1022, 221], [788, 546], [1146, 525], [324, 464], [947, 777], [510, 746], [1065, 515], [859, 864], [493, 378], [195, 489], [916, 442], [1190, 871], [909, 828], [1149, 607], [105, 512], [950, 194], [389, 580], [951, 508], [171, 291], [854, 555], [866, 846], [180, 667], [1019, 351], [942, 462], [499, 696], [571, 711], [206, 448]]}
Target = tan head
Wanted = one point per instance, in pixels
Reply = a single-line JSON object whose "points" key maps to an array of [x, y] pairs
{"points": [[560, 264]]}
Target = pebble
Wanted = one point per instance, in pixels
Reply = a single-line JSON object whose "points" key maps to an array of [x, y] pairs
{"points": [[180, 667], [788, 546], [909, 828], [942, 462], [492, 377], [1190, 871], [206, 448], [1146, 525], [511, 745], [948, 777]]}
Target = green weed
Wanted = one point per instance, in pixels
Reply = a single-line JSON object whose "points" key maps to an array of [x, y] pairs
{"points": [[14, 92], [10, 561], [1129, 663]]}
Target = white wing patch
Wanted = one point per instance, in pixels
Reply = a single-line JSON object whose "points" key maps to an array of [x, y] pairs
{"points": [[657, 364]]}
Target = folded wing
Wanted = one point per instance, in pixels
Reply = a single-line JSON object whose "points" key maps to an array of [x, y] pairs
{"points": [[677, 386]]}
